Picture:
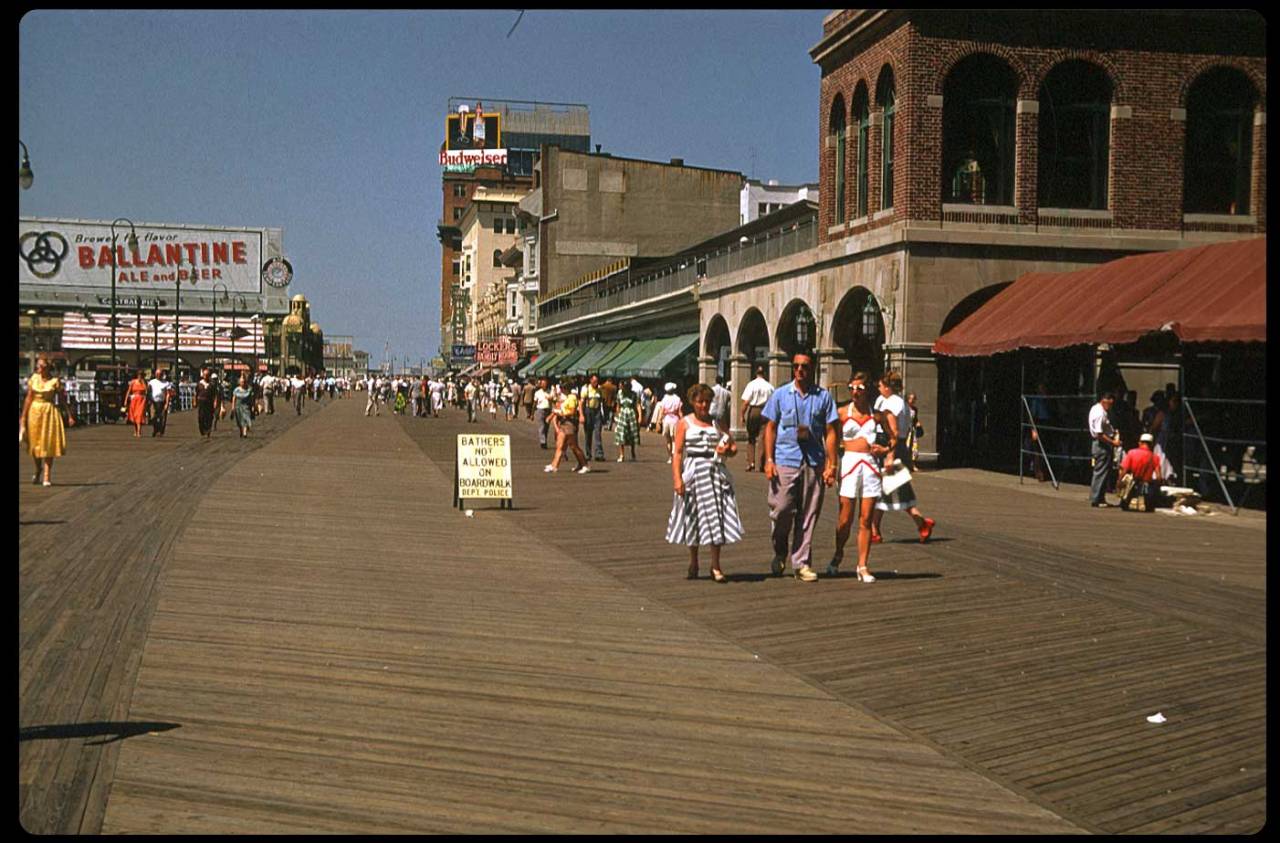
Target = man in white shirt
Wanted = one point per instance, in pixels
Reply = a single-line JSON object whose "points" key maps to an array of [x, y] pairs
{"points": [[720, 399], [541, 409], [160, 391], [371, 402], [754, 397], [469, 396], [299, 393], [269, 392], [1105, 441]]}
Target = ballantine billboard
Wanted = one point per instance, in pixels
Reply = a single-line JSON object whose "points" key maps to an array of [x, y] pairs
{"points": [[78, 253]]}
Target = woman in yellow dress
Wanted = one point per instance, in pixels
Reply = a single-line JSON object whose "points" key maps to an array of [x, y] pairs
{"points": [[41, 422], [136, 402]]}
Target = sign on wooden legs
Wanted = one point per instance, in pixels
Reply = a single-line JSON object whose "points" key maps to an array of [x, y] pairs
{"points": [[483, 468]]}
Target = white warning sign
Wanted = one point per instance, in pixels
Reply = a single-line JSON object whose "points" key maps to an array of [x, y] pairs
{"points": [[484, 466]]}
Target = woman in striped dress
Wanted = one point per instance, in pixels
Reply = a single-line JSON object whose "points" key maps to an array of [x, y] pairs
{"points": [[626, 429], [704, 509]]}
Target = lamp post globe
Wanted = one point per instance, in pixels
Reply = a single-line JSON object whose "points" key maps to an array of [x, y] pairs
{"points": [[25, 176]]}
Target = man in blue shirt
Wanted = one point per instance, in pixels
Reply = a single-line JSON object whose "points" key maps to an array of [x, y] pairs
{"points": [[800, 435]]}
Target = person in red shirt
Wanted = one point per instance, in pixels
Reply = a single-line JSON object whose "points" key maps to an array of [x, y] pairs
{"points": [[1141, 466]]}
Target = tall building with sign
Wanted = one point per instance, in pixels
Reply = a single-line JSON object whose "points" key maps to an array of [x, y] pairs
{"points": [[182, 295], [490, 143]]}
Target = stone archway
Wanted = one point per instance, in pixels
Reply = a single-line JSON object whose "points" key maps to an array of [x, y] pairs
{"points": [[860, 333], [753, 338], [797, 329], [717, 348], [978, 399]]}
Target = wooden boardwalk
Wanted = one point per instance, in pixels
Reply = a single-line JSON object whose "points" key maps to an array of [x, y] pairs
{"points": [[327, 646], [92, 549]]}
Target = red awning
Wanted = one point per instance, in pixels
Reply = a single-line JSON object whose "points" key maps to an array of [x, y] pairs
{"points": [[1214, 293]]}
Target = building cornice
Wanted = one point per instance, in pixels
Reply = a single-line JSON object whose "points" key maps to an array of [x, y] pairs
{"points": [[862, 27]]}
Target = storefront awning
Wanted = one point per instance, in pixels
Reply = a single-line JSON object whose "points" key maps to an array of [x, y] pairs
{"points": [[624, 364], [590, 362], [666, 355], [571, 356], [1214, 293], [547, 358], [620, 348], [588, 357], [527, 369]]}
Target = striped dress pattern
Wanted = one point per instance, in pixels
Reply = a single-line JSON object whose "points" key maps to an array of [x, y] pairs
{"points": [[708, 511]]}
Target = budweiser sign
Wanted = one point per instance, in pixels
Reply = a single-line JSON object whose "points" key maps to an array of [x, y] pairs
{"points": [[472, 158]]}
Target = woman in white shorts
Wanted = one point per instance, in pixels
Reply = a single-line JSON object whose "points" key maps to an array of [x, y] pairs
{"points": [[859, 474]]}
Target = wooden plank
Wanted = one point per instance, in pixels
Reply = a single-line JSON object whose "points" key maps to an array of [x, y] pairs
{"points": [[456, 674]]}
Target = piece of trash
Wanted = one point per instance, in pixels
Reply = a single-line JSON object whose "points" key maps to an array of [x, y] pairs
{"points": [[1157, 718], [757, 656], [471, 513]]}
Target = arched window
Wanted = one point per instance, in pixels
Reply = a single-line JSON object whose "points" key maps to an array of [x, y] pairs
{"points": [[978, 132], [837, 132], [1219, 156], [497, 257], [1075, 136], [862, 114], [884, 98]]}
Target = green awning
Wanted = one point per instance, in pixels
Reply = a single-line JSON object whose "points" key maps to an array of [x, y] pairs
{"points": [[590, 362], [592, 354], [561, 366], [668, 353], [527, 369], [616, 353], [544, 360], [624, 364]]}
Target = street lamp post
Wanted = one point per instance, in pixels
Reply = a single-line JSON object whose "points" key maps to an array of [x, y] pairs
{"points": [[137, 329], [155, 335], [31, 352], [235, 303], [257, 327], [215, 317], [132, 242], [177, 310]]}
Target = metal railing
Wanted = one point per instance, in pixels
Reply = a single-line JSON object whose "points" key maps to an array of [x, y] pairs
{"points": [[1062, 439], [83, 398], [642, 286], [1230, 460], [1238, 462]]}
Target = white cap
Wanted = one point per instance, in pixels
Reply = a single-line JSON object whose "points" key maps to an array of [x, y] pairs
{"points": [[670, 387], [1146, 437]]}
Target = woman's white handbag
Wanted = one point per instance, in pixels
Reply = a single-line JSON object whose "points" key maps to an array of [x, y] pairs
{"points": [[895, 478]]}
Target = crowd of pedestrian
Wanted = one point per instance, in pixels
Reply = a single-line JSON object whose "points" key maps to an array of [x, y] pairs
{"points": [[794, 431], [47, 411]]}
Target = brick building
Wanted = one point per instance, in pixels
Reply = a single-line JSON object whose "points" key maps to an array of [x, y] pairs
{"points": [[516, 132], [962, 149]]}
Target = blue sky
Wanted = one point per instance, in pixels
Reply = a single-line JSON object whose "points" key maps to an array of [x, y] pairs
{"points": [[328, 123]]}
